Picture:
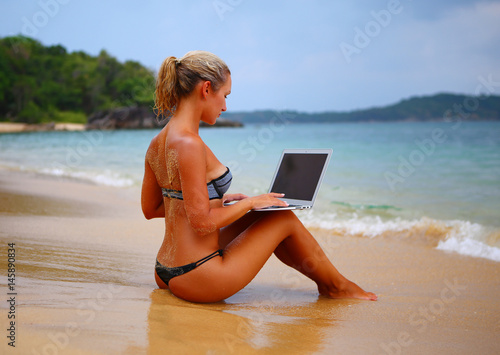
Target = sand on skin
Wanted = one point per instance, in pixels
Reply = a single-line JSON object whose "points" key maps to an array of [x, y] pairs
{"points": [[84, 262]]}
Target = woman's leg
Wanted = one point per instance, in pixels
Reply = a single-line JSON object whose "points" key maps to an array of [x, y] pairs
{"points": [[301, 251], [235, 229], [280, 232]]}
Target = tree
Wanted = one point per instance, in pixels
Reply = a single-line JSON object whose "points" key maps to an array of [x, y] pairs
{"points": [[39, 82]]}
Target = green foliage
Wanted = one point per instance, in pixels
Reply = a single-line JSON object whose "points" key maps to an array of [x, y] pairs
{"points": [[40, 84], [69, 117], [43, 84]]}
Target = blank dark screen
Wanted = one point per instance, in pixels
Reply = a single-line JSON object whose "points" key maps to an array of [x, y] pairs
{"points": [[298, 175]]}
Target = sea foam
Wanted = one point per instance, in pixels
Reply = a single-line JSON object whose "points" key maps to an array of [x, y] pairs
{"points": [[469, 239], [105, 177], [462, 237]]}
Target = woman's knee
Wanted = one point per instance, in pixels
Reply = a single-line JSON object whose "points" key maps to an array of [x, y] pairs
{"points": [[287, 216], [287, 220]]}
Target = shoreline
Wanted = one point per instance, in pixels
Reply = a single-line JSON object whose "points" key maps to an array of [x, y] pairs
{"points": [[12, 127], [84, 279]]}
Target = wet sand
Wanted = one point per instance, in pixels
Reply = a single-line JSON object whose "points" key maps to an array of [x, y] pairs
{"points": [[84, 285]]}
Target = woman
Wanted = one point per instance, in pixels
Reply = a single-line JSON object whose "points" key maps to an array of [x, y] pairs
{"points": [[211, 251]]}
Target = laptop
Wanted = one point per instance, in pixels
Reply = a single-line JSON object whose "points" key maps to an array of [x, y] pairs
{"points": [[298, 176]]}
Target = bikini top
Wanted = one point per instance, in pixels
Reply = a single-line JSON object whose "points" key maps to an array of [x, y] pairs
{"points": [[216, 188]]}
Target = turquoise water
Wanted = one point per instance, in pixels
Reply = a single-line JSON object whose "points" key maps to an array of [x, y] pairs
{"points": [[420, 180]]}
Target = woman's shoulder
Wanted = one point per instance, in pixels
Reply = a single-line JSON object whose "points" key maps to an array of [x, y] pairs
{"points": [[154, 145], [186, 141], [158, 139]]}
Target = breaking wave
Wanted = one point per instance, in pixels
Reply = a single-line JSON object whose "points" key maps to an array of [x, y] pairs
{"points": [[458, 236]]}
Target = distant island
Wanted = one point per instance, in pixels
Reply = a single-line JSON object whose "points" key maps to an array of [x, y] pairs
{"points": [[46, 88], [439, 107]]}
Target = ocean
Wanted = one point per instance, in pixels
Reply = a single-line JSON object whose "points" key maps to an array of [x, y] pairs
{"points": [[434, 183]]}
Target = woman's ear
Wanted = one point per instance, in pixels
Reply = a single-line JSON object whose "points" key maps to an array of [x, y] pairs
{"points": [[205, 88]]}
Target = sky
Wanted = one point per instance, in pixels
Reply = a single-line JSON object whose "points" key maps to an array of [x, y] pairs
{"points": [[303, 55]]}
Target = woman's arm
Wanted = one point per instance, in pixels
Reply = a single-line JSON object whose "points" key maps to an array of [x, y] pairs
{"points": [[192, 170], [151, 195], [228, 198]]}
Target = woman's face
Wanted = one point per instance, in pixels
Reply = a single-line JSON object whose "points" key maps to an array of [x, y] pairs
{"points": [[217, 102]]}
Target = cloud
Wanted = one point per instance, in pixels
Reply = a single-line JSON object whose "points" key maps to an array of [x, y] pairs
{"points": [[431, 10], [286, 53], [450, 53], [415, 56]]}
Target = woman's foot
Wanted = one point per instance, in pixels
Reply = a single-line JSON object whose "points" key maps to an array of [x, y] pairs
{"points": [[347, 289]]}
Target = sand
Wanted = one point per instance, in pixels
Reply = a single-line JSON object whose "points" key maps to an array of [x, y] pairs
{"points": [[84, 284], [12, 127]]}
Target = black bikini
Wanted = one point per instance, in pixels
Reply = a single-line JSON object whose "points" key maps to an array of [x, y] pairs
{"points": [[216, 190], [168, 273]]}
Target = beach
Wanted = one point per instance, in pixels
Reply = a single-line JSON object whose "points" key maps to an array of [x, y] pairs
{"points": [[10, 127], [84, 258]]}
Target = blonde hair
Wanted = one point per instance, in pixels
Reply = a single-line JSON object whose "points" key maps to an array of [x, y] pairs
{"points": [[178, 77]]}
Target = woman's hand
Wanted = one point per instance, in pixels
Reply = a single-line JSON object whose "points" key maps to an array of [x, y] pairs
{"points": [[267, 200], [260, 201], [233, 197]]}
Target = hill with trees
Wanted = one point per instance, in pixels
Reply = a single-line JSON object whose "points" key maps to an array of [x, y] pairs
{"points": [[440, 107], [48, 84]]}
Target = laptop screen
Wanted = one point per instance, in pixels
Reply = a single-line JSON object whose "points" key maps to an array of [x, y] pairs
{"points": [[299, 174]]}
